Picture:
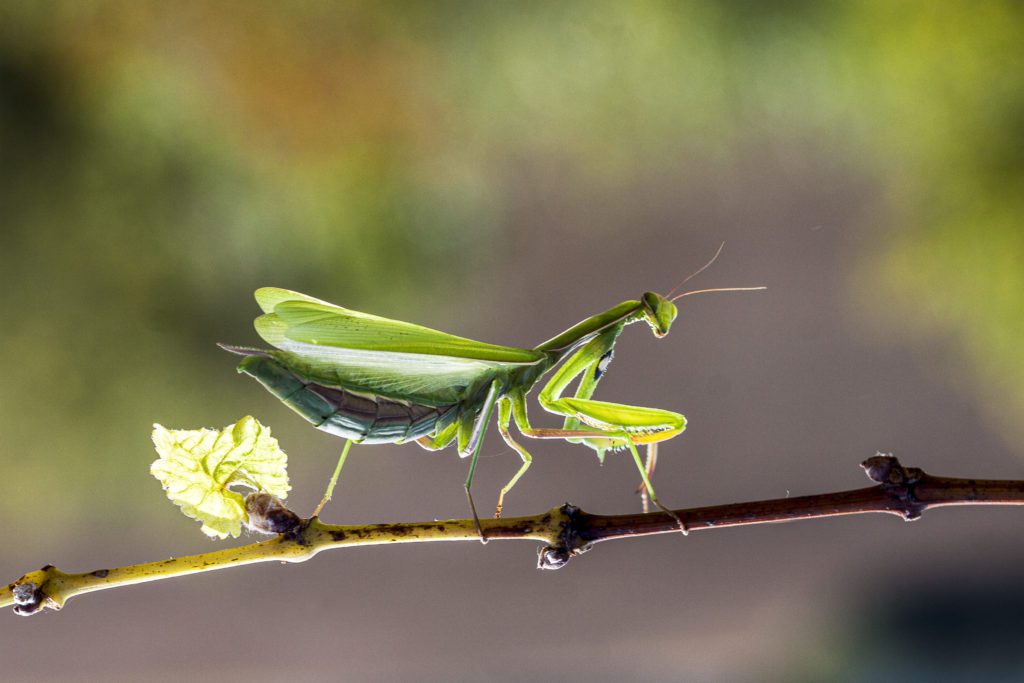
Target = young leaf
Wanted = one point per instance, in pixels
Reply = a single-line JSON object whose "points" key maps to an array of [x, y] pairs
{"points": [[199, 467]]}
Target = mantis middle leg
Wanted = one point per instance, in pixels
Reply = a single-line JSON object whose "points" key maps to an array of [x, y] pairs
{"points": [[514, 406], [504, 418]]}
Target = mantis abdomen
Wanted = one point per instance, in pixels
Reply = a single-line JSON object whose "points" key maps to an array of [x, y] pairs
{"points": [[364, 418]]}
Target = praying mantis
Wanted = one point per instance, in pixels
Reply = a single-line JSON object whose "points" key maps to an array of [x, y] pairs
{"points": [[374, 380]]}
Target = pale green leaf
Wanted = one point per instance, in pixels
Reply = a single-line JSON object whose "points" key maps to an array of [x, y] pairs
{"points": [[199, 467]]}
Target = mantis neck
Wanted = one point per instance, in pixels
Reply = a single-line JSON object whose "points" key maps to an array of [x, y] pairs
{"points": [[581, 332]]}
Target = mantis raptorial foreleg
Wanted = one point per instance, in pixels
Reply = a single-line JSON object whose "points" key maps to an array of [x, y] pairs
{"points": [[650, 489], [590, 362], [639, 424], [613, 425], [596, 357], [649, 464]]}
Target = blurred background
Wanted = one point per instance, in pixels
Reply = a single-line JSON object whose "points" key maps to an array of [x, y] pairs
{"points": [[502, 171]]}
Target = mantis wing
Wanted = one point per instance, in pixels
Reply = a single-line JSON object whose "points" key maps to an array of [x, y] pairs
{"points": [[304, 319], [358, 351]]}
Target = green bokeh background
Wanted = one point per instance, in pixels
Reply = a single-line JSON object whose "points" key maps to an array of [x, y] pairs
{"points": [[501, 170]]}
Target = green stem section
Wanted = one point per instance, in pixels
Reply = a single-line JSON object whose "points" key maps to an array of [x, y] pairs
{"points": [[53, 588]]}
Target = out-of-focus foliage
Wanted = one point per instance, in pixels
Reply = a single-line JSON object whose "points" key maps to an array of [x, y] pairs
{"points": [[947, 119], [161, 160]]}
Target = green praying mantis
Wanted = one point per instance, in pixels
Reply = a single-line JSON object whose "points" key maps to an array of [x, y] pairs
{"points": [[374, 380]]}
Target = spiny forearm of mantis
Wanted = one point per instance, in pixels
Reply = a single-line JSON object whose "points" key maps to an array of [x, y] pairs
{"points": [[566, 531]]}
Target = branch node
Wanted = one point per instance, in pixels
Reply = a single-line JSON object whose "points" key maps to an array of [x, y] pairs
{"points": [[269, 515], [887, 469], [569, 544], [30, 595], [898, 481]]}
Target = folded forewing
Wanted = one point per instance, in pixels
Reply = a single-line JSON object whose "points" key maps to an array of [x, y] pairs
{"points": [[394, 358], [305, 319], [269, 297]]}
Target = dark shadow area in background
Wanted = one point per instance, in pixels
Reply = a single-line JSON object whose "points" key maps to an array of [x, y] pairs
{"points": [[956, 627]]}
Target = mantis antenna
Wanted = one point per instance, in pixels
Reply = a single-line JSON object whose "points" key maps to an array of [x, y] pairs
{"points": [[718, 289], [696, 272]]}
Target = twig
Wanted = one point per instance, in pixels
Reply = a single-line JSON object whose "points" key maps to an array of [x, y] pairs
{"points": [[567, 531]]}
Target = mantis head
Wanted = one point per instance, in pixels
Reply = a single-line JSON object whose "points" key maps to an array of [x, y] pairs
{"points": [[659, 313]]}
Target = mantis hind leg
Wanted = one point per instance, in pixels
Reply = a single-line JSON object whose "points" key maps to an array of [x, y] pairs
{"points": [[473, 444], [334, 479]]}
